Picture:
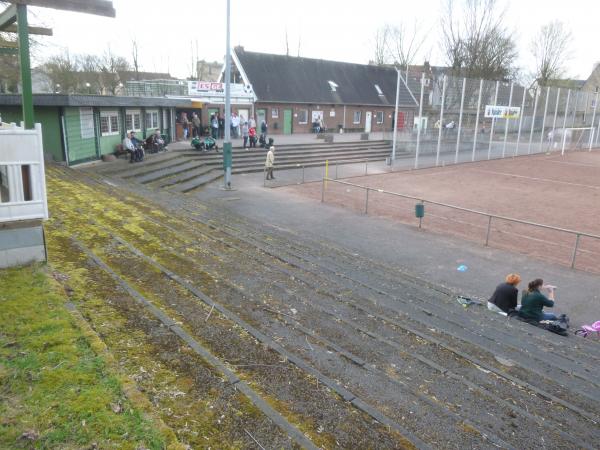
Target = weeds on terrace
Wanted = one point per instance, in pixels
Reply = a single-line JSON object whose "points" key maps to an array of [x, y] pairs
{"points": [[55, 391]]}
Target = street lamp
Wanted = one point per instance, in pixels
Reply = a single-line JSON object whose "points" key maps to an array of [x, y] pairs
{"points": [[88, 85], [57, 88], [394, 140]]}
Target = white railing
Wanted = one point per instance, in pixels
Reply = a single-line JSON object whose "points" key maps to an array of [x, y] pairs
{"points": [[22, 177]]}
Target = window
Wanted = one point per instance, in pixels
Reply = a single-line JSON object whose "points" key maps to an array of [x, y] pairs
{"points": [[274, 113], [303, 116], [379, 115], [356, 117], [378, 89], [133, 121], [333, 85], [86, 120], [151, 119], [109, 123]]}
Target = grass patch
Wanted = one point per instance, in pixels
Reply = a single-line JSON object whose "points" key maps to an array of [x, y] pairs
{"points": [[56, 392]]}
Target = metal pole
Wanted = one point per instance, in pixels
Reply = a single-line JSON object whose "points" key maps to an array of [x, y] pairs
{"points": [[564, 129], [535, 105], [487, 235], [420, 121], [555, 115], [336, 171], [544, 121], [441, 129], [510, 97], [25, 64], [323, 191], [396, 115], [575, 110], [493, 122], [477, 119], [303, 174], [521, 121], [575, 251], [227, 151], [367, 202], [594, 120], [366, 166], [460, 117]]}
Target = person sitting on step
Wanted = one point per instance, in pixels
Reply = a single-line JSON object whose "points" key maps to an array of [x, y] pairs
{"points": [[533, 301], [506, 295]]}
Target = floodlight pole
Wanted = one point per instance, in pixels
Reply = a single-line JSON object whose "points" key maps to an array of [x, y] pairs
{"points": [[227, 153], [396, 115]]}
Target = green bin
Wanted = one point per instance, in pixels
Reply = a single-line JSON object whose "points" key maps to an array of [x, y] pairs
{"points": [[420, 210]]}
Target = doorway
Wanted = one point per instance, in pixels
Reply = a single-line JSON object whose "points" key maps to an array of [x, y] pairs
{"points": [[368, 117], [287, 121]]}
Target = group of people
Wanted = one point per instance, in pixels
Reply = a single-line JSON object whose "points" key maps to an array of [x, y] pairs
{"points": [[137, 148], [533, 300], [240, 127]]}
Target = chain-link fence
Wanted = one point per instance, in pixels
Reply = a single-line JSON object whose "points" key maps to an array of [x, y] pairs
{"points": [[463, 119]]}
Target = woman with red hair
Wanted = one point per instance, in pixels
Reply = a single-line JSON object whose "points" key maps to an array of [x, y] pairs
{"points": [[505, 296]]}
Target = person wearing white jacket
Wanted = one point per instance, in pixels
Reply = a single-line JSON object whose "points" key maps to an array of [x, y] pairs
{"points": [[269, 163]]}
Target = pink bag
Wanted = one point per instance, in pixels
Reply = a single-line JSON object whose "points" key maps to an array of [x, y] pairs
{"points": [[589, 329]]}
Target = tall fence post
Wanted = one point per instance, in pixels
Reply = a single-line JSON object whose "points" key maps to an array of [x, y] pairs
{"points": [[477, 120], [594, 121], [575, 251], [507, 123], [493, 122], [564, 128], [302, 173], [460, 117], [487, 234], [366, 166], [555, 116], [441, 129], [367, 202], [544, 121], [516, 153], [575, 110], [535, 105], [420, 122]]}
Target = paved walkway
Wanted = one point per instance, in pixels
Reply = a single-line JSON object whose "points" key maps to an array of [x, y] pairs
{"points": [[428, 255]]}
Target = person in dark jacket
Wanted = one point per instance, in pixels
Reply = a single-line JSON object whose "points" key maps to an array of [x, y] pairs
{"points": [[533, 301], [505, 296]]}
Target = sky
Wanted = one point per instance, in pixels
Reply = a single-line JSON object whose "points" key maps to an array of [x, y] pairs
{"points": [[169, 32]]}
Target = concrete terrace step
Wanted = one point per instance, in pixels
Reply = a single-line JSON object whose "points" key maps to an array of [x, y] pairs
{"points": [[198, 182], [184, 177], [164, 172]]}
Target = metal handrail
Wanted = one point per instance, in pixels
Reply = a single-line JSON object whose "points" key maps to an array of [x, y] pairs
{"points": [[577, 234]]}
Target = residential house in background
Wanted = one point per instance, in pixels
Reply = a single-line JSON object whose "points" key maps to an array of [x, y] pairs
{"points": [[294, 92]]}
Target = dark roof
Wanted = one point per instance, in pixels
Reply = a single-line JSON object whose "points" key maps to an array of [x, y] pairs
{"points": [[288, 79], [93, 100]]}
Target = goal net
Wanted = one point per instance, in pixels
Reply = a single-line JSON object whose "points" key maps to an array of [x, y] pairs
{"points": [[569, 139]]}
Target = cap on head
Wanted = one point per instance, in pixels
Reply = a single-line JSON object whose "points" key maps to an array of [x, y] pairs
{"points": [[272, 148]]}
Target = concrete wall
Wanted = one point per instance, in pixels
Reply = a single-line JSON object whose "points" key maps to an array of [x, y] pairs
{"points": [[21, 244]]}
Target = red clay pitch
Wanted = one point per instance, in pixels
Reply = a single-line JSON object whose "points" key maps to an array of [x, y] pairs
{"points": [[555, 190]]}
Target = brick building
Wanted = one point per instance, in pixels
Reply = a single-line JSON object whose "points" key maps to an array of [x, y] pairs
{"points": [[292, 92]]}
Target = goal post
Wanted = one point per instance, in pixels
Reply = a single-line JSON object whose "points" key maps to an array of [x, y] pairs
{"points": [[578, 138]]}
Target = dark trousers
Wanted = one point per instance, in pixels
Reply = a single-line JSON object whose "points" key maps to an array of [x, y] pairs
{"points": [[253, 142], [196, 131], [245, 141], [270, 173], [215, 132]]}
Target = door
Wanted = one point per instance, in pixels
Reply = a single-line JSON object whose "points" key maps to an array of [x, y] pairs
{"points": [[401, 120], [244, 115], [368, 117], [261, 114], [287, 121]]}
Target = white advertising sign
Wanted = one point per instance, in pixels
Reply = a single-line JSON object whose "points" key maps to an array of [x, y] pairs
{"points": [[502, 112], [210, 88]]}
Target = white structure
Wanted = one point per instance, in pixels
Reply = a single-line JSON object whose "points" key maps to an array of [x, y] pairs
{"points": [[23, 204]]}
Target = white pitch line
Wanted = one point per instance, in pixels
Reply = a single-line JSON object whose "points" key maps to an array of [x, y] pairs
{"points": [[547, 180], [571, 163]]}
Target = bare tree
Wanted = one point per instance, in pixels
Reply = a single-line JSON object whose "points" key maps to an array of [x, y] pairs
{"points": [[551, 49], [475, 41], [397, 44], [381, 44], [62, 71], [10, 74], [135, 58], [405, 43]]}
